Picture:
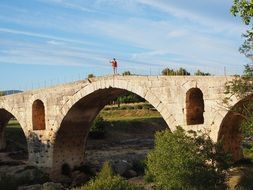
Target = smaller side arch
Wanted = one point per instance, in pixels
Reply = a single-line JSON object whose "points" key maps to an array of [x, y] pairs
{"points": [[38, 115], [194, 106], [230, 133], [5, 116]]}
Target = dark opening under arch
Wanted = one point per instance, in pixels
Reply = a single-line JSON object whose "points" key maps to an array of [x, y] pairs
{"points": [[71, 138], [38, 115], [230, 133], [194, 107], [12, 137]]}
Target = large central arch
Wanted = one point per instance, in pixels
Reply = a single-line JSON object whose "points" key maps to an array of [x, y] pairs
{"points": [[70, 139]]}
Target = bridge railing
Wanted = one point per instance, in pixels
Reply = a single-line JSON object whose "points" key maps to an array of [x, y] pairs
{"points": [[142, 70]]}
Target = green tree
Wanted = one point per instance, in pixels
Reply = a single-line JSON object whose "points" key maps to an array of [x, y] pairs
{"points": [[90, 76], [125, 73], [1, 93], [182, 161], [168, 71], [244, 9], [180, 71], [98, 128], [242, 87], [200, 73]]}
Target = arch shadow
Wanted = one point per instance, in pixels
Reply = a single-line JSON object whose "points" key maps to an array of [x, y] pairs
{"points": [[18, 142], [229, 132], [70, 140]]}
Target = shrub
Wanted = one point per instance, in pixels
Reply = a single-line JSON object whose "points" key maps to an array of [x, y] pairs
{"points": [[125, 73], [107, 108], [90, 76], [97, 129], [147, 106], [138, 107], [186, 162], [129, 97], [130, 107], [105, 180], [123, 108]]}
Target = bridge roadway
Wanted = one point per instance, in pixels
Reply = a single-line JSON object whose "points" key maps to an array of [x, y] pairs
{"points": [[56, 120]]}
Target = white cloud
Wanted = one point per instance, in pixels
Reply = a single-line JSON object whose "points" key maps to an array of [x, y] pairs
{"points": [[69, 4], [218, 24], [191, 39], [52, 39]]}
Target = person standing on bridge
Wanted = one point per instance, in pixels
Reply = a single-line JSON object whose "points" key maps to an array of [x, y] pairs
{"points": [[114, 65]]}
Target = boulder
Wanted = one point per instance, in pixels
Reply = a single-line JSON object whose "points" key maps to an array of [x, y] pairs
{"points": [[121, 166], [30, 175], [130, 174]]}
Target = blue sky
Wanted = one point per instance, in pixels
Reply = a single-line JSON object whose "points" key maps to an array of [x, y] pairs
{"points": [[45, 42]]}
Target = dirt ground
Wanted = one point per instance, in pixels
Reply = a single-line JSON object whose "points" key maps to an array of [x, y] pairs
{"points": [[129, 141]]}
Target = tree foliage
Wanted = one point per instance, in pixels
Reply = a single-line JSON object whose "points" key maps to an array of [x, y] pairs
{"points": [[200, 73], [98, 128], [126, 73], [90, 75], [180, 71], [183, 161], [1, 93], [242, 88], [129, 97], [244, 9]]}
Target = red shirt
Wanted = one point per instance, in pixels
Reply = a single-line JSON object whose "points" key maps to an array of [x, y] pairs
{"points": [[114, 63]]}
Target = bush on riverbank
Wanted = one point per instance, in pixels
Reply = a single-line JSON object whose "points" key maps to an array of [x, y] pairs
{"points": [[106, 180], [186, 162], [97, 130]]}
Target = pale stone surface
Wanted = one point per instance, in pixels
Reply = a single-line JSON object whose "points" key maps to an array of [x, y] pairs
{"points": [[71, 108]]}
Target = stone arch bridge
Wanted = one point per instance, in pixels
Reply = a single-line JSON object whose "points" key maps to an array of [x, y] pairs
{"points": [[56, 120]]}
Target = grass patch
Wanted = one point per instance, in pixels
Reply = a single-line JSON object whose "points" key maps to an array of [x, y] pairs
{"points": [[13, 123], [129, 114]]}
